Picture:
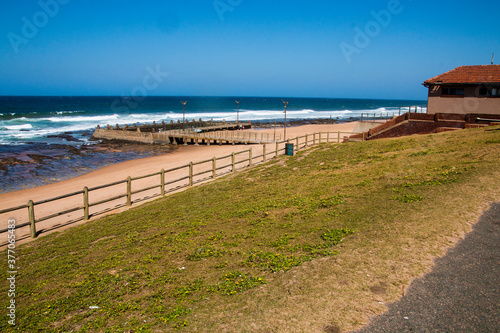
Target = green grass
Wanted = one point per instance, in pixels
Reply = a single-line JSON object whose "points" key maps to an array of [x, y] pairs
{"points": [[291, 245]]}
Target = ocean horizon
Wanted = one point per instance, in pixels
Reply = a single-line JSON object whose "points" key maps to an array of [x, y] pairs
{"points": [[47, 138]]}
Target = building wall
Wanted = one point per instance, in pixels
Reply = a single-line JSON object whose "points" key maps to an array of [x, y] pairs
{"points": [[463, 105]]}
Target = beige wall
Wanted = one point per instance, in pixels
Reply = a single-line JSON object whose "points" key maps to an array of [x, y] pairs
{"points": [[463, 105]]}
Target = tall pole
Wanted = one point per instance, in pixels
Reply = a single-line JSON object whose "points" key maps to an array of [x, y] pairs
{"points": [[286, 104], [183, 114], [274, 129], [238, 112]]}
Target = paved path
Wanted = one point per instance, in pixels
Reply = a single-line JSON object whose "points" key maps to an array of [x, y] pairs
{"points": [[460, 294]]}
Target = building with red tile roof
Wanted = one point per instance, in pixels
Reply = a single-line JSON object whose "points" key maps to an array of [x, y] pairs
{"points": [[464, 90]]}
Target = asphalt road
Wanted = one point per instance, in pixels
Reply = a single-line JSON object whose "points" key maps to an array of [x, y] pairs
{"points": [[460, 294]]}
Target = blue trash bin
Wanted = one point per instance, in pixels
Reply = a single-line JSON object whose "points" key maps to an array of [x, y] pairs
{"points": [[289, 149]]}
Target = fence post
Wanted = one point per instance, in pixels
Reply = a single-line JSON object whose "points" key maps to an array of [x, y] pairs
{"points": [[162, 182], [307, 139], [264, 153], [328, 137], [364, 136], [85, 203], [250, 157], [190, 173], [338, 137], [233, 162], [129, 191], [277, 147], [297, 144], [214, 168], [31, 213]]}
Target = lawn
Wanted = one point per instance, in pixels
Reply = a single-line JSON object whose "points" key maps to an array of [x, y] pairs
{"points": [[316, 242]]}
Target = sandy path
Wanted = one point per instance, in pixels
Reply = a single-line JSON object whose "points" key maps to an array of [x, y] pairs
{"points": [[119, 172]]}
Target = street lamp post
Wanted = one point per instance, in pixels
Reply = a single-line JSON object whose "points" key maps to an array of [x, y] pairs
{"points": [[286, 104], [238, 112], [183, 114]]}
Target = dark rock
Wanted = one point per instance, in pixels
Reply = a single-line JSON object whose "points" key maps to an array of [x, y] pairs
{"points": [[39, 158], [5, 162], [64, 136]]}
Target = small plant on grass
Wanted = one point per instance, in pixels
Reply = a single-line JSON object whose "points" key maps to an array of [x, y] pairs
{"points": [[335, 236], [236, 282], [274, 262], [407, 198], [205, 252]]}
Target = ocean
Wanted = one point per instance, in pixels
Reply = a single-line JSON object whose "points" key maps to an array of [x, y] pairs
{"points": [[46, 139]]}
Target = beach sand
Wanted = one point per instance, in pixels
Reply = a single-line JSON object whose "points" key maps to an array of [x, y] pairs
{"points": [[119, 172]]}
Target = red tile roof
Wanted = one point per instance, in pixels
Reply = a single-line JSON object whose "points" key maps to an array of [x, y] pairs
{"points": [[468, 74]]}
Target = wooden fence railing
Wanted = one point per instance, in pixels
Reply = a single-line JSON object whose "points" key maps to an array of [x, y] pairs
{"points": [[190, 174]]}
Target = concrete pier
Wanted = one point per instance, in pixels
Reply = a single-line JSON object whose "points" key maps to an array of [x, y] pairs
{"points": [[178, 133]]}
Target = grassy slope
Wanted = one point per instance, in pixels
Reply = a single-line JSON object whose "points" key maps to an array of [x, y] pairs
{"points": [[261, 251]]}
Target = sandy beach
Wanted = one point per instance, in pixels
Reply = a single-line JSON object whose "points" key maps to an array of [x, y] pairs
{"points": [[120, 171]]}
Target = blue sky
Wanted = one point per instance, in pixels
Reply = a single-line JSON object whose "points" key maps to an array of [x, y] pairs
{"points": [[339, 49]]}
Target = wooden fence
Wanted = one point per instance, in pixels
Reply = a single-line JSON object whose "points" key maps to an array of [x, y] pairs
{"points": [[188, 175]]}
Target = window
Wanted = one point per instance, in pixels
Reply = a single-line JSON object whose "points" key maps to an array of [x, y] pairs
{"points": [[452, 91], [489, 92]]}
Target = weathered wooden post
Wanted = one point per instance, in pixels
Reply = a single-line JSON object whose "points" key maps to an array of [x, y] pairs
{"points": [[338, 137], [297, 143], [31, 214], [314, 139], [162, 182], [364, 136], [214, 167], [129, 191], [277, 147], [264, 153], [85, 203], [233, 162], [328, 137], [190, 173]]}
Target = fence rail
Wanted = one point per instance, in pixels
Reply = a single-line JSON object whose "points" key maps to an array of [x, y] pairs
{"points": [[217, 167], [366, 116]]}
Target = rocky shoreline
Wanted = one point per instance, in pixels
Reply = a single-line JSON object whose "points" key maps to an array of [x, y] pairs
{"points": [[66, 155]]}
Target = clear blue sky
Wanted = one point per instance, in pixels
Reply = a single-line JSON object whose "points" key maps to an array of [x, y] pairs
{"points": [[240, 47]]}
